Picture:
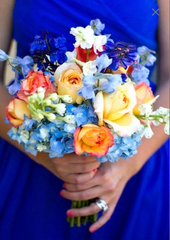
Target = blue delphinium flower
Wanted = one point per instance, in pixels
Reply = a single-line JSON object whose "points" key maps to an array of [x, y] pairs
{"points": [[121, 53], [140, 73], [14, 87], [87, 93], [145, 56], [110, 82], [3, 56], [103, 62], [22, 65], [97, 26]]}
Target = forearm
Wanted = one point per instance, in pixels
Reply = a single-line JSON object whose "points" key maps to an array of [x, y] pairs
{"points": [[41, 158], [149, 146]]}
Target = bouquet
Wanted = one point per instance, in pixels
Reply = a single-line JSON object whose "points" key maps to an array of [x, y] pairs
{"points": [[95, 100]]}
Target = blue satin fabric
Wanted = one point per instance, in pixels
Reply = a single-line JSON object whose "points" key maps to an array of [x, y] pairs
{"points": [[30, 205]]}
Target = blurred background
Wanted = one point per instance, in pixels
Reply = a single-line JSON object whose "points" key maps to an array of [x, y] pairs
{"points": [[9, 74]]}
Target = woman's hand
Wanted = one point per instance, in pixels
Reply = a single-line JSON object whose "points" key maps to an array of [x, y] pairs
{"points": [[107, 184], [69, 167]]}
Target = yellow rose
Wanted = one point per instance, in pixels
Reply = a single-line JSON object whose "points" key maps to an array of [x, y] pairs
{"points": [[68, 78], [16, 110], [116, 109]]}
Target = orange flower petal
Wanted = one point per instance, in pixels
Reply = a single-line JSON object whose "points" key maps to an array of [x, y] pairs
{"points": [[77, 144]]}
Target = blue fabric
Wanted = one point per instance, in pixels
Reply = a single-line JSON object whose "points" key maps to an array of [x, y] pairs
{"points": [[30, 205]]}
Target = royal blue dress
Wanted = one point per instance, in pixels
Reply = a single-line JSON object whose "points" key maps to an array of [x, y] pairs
{"points": [[30, 205]]}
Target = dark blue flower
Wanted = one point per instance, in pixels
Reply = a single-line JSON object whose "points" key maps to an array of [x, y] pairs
{"points": [[121, 53], [38, 44], [45, 45]]}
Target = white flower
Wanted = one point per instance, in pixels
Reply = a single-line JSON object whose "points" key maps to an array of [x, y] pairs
{"points": [[148, 133], [99, 41], [163, 111], [89, 68], [60, 109], [147, 108], [71, 56], [84, 37]]}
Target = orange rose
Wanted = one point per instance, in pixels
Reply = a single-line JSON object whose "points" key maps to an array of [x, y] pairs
{"points": [[93, 139], [33, 81], [16, 110], [144, 94]]}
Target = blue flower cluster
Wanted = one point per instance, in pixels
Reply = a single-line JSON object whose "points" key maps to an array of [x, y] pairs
{"points": [[46, 50], [55, 138], [124, 147]]}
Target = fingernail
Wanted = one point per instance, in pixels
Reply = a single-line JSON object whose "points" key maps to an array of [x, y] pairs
{"points": [[95, 170], [61, 193], [70, 214], [93, 230], [64, 185]]}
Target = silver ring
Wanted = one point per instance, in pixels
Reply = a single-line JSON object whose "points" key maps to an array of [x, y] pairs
{"points": [[102, 205]]}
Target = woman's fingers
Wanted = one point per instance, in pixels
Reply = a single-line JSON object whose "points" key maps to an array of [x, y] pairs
{"points": [[85, 211], [91, 209], [82, 181], [82, 195], [77, 179], [103, 219], [82, 167], [74, 158]]}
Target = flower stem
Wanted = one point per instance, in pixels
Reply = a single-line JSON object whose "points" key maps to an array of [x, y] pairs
{"points": [[87, 57]]}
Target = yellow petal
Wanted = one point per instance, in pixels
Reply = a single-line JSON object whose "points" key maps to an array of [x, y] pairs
{"points": [[125, 126], [99, 107]]}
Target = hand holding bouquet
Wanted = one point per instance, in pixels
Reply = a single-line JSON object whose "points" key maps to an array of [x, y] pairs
{"points": [[95, 100]]}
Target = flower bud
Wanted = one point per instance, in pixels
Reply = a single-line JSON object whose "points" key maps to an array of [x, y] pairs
{"points": [[47, 102], [60, 109], [54, 97], [51, 117], [66, 98]]}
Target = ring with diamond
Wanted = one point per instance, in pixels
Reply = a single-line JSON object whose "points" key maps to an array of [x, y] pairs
{"points": [[102, 205]]}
